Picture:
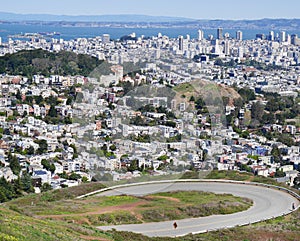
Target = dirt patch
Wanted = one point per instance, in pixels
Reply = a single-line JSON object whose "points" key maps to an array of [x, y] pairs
{"points": [[173, 199]]}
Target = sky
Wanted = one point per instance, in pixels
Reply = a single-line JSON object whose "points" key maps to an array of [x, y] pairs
{"points": [[196, 9]]}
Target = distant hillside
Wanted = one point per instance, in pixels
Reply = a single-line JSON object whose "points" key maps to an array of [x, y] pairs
{"points": [[142, 21], [28, 63], [4, 16]]}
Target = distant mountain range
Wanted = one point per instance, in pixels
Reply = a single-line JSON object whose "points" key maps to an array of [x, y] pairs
{"points": [[132, 20], [4, 16]]}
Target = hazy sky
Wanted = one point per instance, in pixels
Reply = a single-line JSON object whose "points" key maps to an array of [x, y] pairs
{"points": [[198, 9]]}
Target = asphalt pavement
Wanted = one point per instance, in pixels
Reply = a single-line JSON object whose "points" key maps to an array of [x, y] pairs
{"points": [[267, 203]]}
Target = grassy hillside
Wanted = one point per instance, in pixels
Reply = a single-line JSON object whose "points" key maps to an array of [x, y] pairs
{"points": [[26, 218], [212, 94], [112, 210]]}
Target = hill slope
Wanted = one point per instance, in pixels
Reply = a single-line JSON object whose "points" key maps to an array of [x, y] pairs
{"points": [[30, 62]]}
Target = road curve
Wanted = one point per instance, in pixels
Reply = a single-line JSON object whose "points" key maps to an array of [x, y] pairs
{"points": [[267, 203]]}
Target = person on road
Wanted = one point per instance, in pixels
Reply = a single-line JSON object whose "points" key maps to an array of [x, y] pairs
{"points": [[175, 225], [293, 206]]}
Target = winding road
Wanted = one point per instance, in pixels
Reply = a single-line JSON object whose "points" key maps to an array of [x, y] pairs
{"points": [[267, 203]]}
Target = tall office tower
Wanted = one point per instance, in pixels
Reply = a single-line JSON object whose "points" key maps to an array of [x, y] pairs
{"points": [[200, 35], [0, 40], [217, 47], [239, 35], [271, 36], [294, 39], [288, 39], [157, 53], [105, 38], [227, 47], [240, 52], [188, 37], [260, 36], [180, 42], [282, 36], [220, 33]]}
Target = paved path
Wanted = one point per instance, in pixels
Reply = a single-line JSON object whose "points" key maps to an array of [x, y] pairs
{"points": [[268, 203]]}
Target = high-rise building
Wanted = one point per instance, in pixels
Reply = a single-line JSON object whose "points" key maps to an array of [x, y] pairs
{"points": [[180, 42], [294, 39], [200, 35], [105, 38], [282, 36], [271, 36], [0, 40], [240, 52], [227, 47], [288, 39], [219, 33], [217, 47], [183, 44], [239, 35], [260, 36]]}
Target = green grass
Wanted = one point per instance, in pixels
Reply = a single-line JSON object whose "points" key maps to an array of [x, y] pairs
{"points": [[180, 205], [183, 88], [57, 195], [144, 178], [229, 175], [18, 221], [15, 226], [130, 209], [72, 206], [117, 200], [115, 218]]}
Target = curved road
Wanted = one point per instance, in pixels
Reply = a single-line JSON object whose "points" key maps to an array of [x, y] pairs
{"points": [[268, 203]]}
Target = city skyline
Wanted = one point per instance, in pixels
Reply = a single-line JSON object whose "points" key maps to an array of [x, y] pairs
{"points": [[217, 9]]}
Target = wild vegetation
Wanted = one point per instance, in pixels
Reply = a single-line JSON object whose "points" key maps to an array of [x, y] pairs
{"points": [[29, 63]]}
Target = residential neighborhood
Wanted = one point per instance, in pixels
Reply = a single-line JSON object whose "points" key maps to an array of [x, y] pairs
{"points": [[154, 106]]}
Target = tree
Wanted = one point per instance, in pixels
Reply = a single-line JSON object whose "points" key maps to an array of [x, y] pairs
{"points": [[257, 111], [134, 165], [238, 103], [275, 152], [247, 94], [43, 146], [46, 164], [286, 139], [63, 175], [46, 187], [52, 111], [26, 183], [113, 147], [14, 164], [279, 173], [30, 150], [18, 95], [84, 179], [192, 99], [38, 99], [52, 168], [268, 118], [70, 100], [74, 176]]}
